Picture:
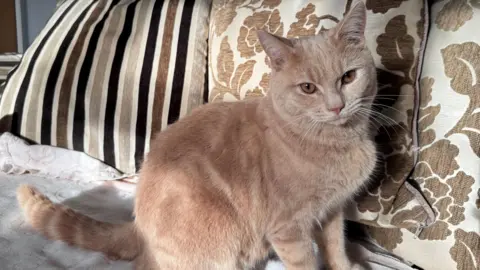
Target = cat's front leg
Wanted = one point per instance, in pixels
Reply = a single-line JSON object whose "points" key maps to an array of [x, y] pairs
{"points": [[331, 241], [294, 247]]}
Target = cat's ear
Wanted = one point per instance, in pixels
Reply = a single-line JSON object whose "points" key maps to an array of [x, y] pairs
{"points": [[351, 29], [277, 48]]}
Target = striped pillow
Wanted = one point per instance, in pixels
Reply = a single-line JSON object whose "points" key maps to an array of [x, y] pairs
{"points": [[104, 75]]}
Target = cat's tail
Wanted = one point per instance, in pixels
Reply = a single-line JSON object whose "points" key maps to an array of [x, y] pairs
{"points": [[58, 222]]}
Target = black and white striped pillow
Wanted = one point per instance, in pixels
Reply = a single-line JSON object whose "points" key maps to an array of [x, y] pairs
{"points": [[104, 75]]}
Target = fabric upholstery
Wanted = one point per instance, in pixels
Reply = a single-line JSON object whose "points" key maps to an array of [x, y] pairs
{"points": [[104, 75], [448, 168]]}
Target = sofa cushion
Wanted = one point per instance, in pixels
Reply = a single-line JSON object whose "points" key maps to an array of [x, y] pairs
{"points": [[238, 69], [104, 75], [448, 168]]}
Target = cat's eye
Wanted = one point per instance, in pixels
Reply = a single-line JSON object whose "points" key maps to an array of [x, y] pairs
{"points": [[308, 88], [349, 76]]}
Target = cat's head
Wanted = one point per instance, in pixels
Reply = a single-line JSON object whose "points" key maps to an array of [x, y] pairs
{"points": [[328, 78]]}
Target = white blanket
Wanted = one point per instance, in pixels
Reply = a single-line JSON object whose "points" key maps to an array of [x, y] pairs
{"points": [[22, 248], [88, 186]]}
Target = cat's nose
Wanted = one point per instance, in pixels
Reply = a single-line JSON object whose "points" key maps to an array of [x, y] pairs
{"points": [[337, 110]]}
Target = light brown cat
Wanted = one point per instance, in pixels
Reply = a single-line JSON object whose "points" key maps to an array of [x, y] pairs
{"points": [[226, 185]]}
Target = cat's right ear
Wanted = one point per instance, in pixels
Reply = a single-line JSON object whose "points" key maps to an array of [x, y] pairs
{"points": [[278, 49], [351, 29]]}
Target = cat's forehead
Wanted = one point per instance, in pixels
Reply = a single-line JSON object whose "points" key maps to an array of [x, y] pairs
{"points": [[318, 54], [317, 46], [323, 54]]}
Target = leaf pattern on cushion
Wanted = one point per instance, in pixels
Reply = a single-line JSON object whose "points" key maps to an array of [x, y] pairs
{"points": [[248, 43], [396, 47], [223, 13], [477, 202], [242, 74], [466, 249], [427, 113], [443, 153], [382, 6], [457, 214], [230, 80], [306, 24], [271, 3], [405, 216], [454, 15], [460, 187], [441, 207], [402, 198], [262, 89], [225, 63], [388, 238], [462, 66], [437, 231], [384, 188], [445, 187], [428, 196], [369, 202], [438, 188]]}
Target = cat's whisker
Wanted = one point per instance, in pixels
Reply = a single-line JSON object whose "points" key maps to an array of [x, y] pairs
{"points": [[358, 119], [354, 105], [362, 112], [376, 115], [388, 119], [303, 137], [391, 122], [293, 120], [389, 107], [314, 127], [380, 98], [312, 124], [398, 95], [374, 122], [382, 117], [356, 102]]}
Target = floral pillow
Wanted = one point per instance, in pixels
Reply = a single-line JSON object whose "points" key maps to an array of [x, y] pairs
{"points": [[448, 168]]}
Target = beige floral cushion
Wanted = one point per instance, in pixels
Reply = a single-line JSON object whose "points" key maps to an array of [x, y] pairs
{"points": [[448, 168], [238, 69]]}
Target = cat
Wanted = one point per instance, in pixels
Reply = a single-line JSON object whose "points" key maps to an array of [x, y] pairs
{"points": [[232, 182]]}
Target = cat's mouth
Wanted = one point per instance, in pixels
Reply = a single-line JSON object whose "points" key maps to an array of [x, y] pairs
{"points": [[339, 120], [344, 118]]}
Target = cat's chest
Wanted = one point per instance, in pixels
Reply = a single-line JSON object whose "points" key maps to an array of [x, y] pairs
{"points": [[330, 168]]}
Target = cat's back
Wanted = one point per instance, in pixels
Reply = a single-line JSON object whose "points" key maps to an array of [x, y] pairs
{"points": [[208, 131]]}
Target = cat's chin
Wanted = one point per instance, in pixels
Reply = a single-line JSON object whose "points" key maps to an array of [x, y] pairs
{"points": [[340, 121]]}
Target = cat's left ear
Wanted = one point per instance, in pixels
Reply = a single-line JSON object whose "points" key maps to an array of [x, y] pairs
{"points": [[351, 30], [277, 48]]}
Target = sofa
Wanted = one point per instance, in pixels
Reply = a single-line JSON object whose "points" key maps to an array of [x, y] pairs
{"points": [[104, 75]]}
